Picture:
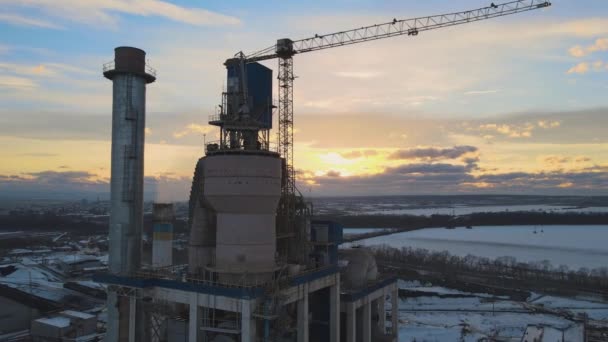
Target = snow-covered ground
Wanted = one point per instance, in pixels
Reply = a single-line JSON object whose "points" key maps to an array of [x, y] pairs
{"points": [[474, 316], [574, 246], [594, 309]]}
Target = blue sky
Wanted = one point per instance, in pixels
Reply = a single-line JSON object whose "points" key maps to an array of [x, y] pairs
{"points": [[526, 91]]}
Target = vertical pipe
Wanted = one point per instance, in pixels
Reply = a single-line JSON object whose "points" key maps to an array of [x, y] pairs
{"points": [[132, 318], [351, 322], [246, 321], [193, 318], [382, 313], [303, 315], [266, 326], [394, 311], [367, 322], [334, 310]]}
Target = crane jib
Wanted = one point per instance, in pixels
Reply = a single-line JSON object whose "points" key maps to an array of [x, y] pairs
{"points": [[285, 49], [410, 27]]}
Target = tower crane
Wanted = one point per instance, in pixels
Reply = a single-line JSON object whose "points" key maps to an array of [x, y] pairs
{"points": [[245, 121]]}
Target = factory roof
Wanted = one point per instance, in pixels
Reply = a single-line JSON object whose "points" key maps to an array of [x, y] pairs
{"points": [[76, 314], [38, 282], [59, 321]]}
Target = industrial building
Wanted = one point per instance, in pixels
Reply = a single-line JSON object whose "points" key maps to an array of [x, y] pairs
{"points": [[67, 325], [260, 268]]}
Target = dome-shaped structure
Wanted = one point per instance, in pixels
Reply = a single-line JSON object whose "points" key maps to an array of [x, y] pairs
{"points": [[360, 267]]}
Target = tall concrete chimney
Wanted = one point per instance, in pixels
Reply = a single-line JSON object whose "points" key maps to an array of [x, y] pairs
{"points": [[129, 75]]}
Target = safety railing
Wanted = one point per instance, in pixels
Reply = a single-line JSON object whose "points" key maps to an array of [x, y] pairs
{"points": [[216, 146], [112, 66], [216, 117], [179, 273]]}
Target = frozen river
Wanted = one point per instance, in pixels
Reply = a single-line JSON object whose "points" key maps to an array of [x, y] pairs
{"points": [[574, 246]]}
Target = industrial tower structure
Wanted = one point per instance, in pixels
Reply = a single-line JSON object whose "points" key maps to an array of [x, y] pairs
{"points": [[129, 74], [260, 269]]}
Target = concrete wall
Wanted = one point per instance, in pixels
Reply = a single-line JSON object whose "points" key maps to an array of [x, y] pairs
{"points": [[244, 190]]}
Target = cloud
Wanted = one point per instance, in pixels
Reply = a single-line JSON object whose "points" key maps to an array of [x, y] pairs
{"points": [[555, 160], [17, 83], [28, 70], [359, 154], [358, 74], [412, 178], [193, 129], [102, 12], [600, 44], [582, 159], [580, 68], [51, 184], [332, 173], [427, 169], [548, 124], [547, 182], [450, 179], [38, 154], [509, 130], [64, 177], [16, 19], [585, 67], [577, 51], [481, 92], [432, 153]]}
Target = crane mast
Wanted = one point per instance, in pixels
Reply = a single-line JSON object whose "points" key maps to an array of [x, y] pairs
{"points": [[239, 128]]}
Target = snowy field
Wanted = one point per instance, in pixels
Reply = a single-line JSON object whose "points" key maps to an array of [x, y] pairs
{"points": [[479, 316], [574, 246]]}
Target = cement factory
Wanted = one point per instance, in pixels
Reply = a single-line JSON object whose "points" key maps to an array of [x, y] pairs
{"points": [[260, 267]]}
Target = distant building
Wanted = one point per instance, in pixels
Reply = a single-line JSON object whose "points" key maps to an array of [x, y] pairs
{"points": [[79, 264], [28, 292], [66, 326]]}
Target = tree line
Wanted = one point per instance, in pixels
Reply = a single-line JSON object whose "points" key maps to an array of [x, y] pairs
{"points": [[507, 268]]}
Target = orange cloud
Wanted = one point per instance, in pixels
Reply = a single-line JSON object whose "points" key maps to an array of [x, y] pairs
{"points": [[193, 129], [512, 131], [580, 68], [600, 44]]}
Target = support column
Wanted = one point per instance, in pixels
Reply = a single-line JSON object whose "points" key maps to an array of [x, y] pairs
{"points": [[394, 310], [113, 317], [246, 335], [367, 322], [382, 313], [132, 318], [303, 316], [351, 322], [334, 311], [193, 326]]}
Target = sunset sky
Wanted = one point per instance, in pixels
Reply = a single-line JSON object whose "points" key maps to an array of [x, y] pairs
{"points": [[514, 105]]}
